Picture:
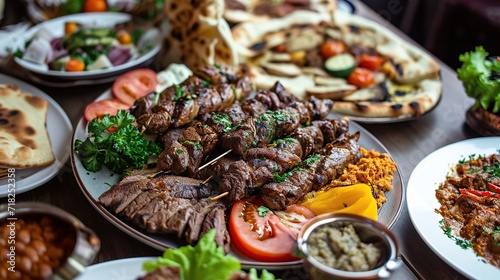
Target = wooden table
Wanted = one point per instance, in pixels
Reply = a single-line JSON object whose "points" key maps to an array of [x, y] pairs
{"points": [[408, 142]]}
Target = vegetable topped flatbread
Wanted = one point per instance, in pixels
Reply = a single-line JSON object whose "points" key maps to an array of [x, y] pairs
{"points": [[368, 70]]}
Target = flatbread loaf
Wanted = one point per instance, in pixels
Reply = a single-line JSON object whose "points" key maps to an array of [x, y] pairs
{"points": [[198, 35], [24, 141]]}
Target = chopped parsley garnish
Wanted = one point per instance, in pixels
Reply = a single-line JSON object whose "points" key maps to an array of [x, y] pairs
{"points": [[281, 178], [312, 159], [262, 210], [277, 115], [285, 141], [222, 119], [464, 244], [197, 146], [180, 151], [179, 93], [493, 170]]}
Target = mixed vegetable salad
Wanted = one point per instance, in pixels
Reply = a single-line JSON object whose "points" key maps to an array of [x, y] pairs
{"points": [[84, 48]]}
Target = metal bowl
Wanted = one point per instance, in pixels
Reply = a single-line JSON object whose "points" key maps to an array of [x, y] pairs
{"points": [[86, 243], [369, 231]]}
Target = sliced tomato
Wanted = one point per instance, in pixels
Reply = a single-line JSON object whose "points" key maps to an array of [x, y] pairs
{"points": [[361, 77], [102, 107], [370, 61], [134, 84], [262, 235], [331, 48]]}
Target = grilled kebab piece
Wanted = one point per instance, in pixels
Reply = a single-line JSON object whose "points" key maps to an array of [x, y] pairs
{"points": [[209, 90], [257, 121], [313, 174], [243, 177]]}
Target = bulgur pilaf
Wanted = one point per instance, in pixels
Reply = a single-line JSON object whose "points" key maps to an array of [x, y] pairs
{"points": [[374, 169]]}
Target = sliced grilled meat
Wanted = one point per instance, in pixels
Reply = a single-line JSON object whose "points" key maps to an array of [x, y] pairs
{"points": [[167, 204]]}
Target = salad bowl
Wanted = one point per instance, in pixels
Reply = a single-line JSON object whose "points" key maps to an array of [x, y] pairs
{"points": [[143, 53]]}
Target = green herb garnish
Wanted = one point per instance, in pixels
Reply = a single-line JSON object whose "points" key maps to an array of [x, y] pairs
{"points": [[123, 148], [262, 210]]}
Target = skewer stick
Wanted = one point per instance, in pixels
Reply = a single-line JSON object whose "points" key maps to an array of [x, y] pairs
{"points": [[208, 179], [219, 196], [213, 161]]}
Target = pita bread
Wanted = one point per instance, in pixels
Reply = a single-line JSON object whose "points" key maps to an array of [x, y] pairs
{"points": [[238, 11], [198, 35], [24, 141]]}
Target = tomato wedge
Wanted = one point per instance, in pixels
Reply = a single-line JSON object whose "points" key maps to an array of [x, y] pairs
{"points": [[134, 84], [361, 77], [262, 235], [102, 107], [371, 62]]}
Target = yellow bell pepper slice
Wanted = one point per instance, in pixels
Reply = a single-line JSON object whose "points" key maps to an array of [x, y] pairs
{"points": [[353, 199]]}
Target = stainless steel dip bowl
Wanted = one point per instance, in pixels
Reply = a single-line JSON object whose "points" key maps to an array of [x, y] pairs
{"points": [[369, 231], [84, 242]]}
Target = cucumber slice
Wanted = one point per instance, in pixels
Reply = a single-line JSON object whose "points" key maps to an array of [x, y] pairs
{"points": [[340, 65]]}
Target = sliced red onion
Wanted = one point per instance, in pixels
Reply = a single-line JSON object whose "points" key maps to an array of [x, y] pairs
{"points": [[119, 55]]}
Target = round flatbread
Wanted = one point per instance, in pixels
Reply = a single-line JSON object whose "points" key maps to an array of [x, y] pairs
{"points": [[24, 141], [406, 83]]}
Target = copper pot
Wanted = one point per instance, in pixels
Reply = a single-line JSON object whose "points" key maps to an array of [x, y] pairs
{"points": [[84, 242]]}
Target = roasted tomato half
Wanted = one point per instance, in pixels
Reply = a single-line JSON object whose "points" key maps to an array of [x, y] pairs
{"points": [[260, 234]]}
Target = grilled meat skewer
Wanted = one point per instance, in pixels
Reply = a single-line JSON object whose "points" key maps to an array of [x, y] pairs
{"points": [[181, 104], [184, 151], [261, 165], [313, 174]]}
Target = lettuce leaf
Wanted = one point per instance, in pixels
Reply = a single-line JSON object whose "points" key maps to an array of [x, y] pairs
{"points": [[476, 75], [204, 261]]}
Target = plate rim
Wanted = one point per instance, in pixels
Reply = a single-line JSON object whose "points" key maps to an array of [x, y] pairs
{"points": [[103, 267], [435, 239], [89, 75], [149, 239], [44, 174]]}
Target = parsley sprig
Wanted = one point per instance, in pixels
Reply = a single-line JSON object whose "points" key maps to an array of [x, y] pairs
{"points": [[114, 141]]}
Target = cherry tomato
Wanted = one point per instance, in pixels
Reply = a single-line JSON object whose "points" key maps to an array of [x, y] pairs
{"points": [[103, 107], [70, 27], [75, 65], [331, 48], [124, 38], [371, 62], [280, 48], [134, 84], [361, 77], [266, 238], [95, 6]]}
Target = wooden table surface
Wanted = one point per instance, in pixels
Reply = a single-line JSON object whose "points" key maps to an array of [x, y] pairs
{"points": [[408, 142]]}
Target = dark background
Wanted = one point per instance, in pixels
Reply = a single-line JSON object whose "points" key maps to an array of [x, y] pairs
{"points": [[447, 28]]}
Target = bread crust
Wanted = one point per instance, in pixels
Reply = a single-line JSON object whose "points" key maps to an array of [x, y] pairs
{"points": [[24, 141]]}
